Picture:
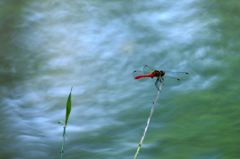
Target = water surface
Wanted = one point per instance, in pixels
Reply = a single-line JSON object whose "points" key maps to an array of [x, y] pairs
{"points": [[94, 45]]}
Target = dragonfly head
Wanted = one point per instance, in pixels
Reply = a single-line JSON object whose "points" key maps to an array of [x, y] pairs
{"points": [[162, 73]]}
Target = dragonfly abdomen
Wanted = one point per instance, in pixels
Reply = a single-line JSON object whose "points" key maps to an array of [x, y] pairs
{"points": [[144, 76]]}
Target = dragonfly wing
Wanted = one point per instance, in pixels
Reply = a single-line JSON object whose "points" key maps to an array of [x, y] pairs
{"points": [[177, 75], [137, 73], [175, 78], [147, 69]]}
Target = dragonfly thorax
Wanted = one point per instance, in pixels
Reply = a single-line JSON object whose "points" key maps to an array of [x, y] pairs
{"points": [[157, 73]]}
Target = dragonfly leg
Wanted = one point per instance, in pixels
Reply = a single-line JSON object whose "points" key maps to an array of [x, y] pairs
{"points": [[157, 84], [161, 80]]}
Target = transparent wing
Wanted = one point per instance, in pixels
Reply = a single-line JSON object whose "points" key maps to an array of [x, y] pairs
{"points": [[175, 78], [177, 75], [137, 73], [147, 69]]}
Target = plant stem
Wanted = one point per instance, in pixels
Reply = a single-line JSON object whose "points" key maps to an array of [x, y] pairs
{"points": [[148, 121], [63, 141]]}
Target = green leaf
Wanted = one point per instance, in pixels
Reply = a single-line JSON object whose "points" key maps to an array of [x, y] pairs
{"points": [[68, 107]]}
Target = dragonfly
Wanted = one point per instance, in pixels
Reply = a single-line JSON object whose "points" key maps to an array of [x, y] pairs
{"points": [[149, 72]]}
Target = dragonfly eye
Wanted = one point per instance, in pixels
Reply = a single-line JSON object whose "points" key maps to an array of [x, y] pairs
{"points": [[162, 73]]}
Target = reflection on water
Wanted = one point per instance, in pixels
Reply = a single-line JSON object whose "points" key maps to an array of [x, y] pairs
{"points": [[47, 47]]}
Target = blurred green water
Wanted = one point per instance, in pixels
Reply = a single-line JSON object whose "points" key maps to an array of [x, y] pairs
{"points": [[47, 47]]}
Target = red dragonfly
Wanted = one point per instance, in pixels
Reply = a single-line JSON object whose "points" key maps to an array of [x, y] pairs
{"points": [[149, 72]]}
